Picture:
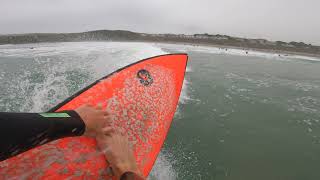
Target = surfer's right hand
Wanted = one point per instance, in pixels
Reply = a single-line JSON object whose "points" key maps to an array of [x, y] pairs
{"points": [[94, 118], [119, 153]]}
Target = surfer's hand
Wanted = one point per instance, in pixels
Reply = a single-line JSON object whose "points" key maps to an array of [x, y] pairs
{"points": [[116, 148], [94, 118]]}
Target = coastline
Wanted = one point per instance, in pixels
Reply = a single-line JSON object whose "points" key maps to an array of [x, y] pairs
{"points": [[278, 52], [218, 41]]}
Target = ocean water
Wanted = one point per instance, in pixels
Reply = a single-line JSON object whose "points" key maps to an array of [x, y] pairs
{"points": [[241, 115]]}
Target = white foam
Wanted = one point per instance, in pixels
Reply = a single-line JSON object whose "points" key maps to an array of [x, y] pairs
{"points": [[189, 69], [163, 169], [237, 52], [185, 96]]}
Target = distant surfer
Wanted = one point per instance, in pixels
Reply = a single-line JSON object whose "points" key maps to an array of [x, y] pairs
{"points": [[21, 132]]}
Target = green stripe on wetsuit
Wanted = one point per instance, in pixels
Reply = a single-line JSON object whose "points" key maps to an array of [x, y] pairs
{"points": [[55, 115]]}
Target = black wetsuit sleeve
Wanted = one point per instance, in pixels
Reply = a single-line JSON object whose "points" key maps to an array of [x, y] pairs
{"points": [[20, 132]]}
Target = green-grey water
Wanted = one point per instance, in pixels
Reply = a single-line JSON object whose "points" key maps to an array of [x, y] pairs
{"points": [[240, 116], [251, 118]]}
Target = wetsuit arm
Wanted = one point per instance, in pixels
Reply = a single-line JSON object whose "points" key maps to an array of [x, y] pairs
{"points": [[20, 132]]}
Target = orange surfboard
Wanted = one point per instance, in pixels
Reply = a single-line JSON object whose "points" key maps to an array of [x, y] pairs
{"points": [[142, 98]]}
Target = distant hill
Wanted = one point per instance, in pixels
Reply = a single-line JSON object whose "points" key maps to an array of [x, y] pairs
{"points": [[196, 39]]}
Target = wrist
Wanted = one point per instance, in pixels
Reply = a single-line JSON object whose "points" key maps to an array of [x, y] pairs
{"points": [[77, 125], [131, 176], [121, 169], [83, 118]]}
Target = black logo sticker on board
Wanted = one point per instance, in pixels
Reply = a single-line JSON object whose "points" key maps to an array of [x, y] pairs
{"points": [[145, 77]]}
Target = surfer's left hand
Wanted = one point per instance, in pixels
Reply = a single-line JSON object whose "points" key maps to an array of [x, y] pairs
{"points": [[94, 118], [119, 152]]}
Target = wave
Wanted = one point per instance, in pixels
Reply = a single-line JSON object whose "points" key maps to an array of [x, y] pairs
{"points": [[237, 52]]}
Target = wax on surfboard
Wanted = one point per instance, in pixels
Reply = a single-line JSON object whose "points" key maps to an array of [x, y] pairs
{"points": [[142, 98]]}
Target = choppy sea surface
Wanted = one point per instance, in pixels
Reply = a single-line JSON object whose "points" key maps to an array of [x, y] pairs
{"points": [[241, 115]]}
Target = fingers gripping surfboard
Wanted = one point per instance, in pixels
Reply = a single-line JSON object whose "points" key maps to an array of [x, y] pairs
{"points": [[142, 98]]}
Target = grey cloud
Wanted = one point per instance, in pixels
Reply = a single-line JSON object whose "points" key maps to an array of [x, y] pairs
{"points": [[289, 20]]}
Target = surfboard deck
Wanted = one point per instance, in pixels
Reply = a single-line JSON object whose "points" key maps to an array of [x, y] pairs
{"points": [[142, 98]]}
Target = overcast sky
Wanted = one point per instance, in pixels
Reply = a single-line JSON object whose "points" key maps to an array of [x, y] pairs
{"points": [[288, 20]]}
